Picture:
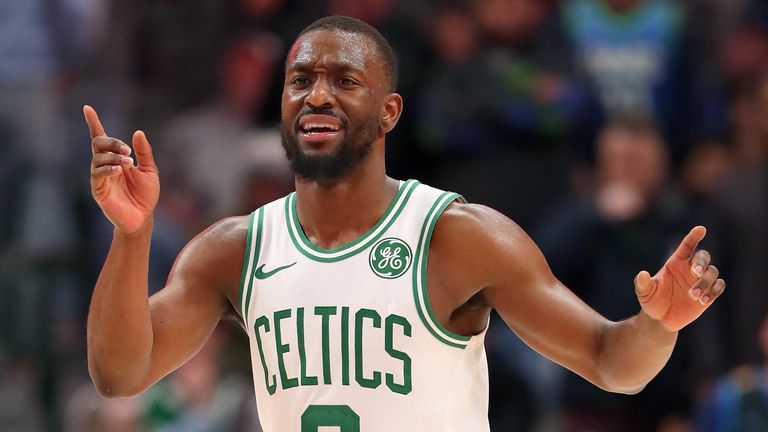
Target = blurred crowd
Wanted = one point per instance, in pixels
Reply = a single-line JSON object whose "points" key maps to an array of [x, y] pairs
{"points": [[605, 128]]}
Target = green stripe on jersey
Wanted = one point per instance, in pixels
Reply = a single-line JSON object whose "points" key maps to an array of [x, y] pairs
{"points": [[254, 243], [311, 251], [420, 293], [246, 266]]}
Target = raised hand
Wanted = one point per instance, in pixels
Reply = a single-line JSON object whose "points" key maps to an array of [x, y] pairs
{"points": [[684, 287], [127, 194]]}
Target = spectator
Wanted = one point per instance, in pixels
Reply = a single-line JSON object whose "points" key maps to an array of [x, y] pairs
{"points": [[209, 148], [496, 109], [631, 52], [86, 411], [594, 245]]}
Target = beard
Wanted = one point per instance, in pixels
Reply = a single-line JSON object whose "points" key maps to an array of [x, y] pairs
{"points": [[328, 168]]}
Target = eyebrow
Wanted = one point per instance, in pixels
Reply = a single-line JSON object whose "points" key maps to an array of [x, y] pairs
{"points": [[335, 66]]}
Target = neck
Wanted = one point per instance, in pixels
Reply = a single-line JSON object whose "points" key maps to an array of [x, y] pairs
{"points": [[332, 215]]}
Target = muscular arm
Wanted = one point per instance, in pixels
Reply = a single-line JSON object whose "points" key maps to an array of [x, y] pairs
{"points": [[490, 260], [133, 340]]}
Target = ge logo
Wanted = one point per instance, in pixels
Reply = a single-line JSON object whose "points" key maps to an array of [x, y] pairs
{"points": [[390, 258]]}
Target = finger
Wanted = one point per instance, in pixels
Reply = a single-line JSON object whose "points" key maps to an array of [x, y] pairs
{"points": [[699, 262], [702, 289], [645, 285], [93, 122], [105, 171], [144, 157], [102, 159], [717, 289], [103, 144], [689, 243]]}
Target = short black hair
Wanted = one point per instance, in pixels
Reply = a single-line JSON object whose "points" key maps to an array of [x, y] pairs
{"points": [[354, 25]]}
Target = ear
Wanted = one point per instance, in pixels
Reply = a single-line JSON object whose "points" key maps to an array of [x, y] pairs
{"points": [[393, 107]]}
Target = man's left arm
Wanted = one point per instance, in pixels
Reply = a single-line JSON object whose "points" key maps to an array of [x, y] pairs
{"points": [[616, 356]]}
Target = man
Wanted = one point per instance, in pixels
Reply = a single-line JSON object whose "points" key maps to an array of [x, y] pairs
{"points": [[365, 298]]}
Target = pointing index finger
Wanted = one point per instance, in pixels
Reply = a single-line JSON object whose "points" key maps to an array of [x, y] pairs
{"points": [[689, 243], [93, 122]]}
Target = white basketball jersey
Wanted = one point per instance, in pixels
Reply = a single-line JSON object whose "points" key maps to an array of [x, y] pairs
{"points": [[344, 339]]}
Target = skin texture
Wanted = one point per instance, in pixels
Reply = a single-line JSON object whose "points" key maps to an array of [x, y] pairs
{"points": [[479, 260]]}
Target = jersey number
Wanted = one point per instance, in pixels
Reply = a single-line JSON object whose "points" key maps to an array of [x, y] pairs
{"points": [[330, 415]]}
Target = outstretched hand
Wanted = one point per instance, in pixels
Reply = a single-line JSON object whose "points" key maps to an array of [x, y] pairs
{"points": [[127, 194], [684, 287]]}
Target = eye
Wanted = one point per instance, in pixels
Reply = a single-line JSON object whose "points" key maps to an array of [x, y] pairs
{"points": [[347, 82], [300, 81]]}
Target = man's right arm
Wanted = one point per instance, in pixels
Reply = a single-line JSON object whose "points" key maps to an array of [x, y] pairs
{"points": [[134, 341]]}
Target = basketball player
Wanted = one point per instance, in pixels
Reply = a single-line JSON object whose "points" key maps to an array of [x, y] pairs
{"points": [[365, 298]]}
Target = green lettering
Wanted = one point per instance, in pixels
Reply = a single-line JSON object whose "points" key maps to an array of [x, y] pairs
{"points": [[282, 349], [376, 318], [305, 380], [262, 321], [345, 345], [325, 312], [389, 324]]}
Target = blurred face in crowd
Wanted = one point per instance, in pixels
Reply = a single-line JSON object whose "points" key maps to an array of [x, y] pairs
{"points": [[117, 415], [743, 54], [514, 21], [247, 72], [631, 168], [632, 156], [196, 380], [455, 36], [332, 103], [749, 110]]}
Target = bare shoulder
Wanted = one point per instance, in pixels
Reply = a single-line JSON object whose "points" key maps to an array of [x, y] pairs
{"points": [[214, 258], [221, 240], [226, 233], [470, 224], [484, 243]]}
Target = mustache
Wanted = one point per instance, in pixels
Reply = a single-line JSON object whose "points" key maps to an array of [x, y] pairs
{"points": [[319, 111]]}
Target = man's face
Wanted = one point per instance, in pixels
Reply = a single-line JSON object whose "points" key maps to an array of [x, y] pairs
{"points": [[332, 104]]}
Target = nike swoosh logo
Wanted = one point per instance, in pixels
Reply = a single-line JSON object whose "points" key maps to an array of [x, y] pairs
{"points": [[261, 274]]}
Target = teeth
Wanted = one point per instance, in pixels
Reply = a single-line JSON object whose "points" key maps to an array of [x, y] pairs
{"points": [[311, 126]]}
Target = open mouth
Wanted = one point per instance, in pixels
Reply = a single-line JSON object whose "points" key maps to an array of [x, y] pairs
{"points": [[318, 127]]}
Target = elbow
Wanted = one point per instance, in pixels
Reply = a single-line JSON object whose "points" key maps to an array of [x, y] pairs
{"points": [[112, 385], [622, 388], [628, 390], [108, 390]]}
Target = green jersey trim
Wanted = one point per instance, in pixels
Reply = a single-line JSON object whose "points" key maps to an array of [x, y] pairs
{"points": [[420, 295], [253, 247], [246, 265], [311, 251]]}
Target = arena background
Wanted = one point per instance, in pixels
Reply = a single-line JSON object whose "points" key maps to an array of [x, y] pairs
{"points": [[606, 128]]}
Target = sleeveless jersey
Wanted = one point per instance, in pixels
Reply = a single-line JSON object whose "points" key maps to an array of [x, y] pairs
{"points": [[345, 338]]}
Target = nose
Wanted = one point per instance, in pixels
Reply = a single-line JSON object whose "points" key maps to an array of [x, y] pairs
{"points": [[320, 95]]}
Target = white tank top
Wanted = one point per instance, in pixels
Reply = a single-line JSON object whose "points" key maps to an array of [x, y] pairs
{"points": [[344, 339]]}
